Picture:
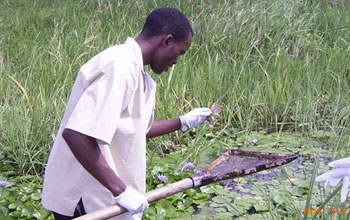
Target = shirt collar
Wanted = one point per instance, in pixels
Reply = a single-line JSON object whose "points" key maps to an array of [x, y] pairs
{"points": [[135, 46]]}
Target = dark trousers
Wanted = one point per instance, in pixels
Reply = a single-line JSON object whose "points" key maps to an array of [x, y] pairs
{"points": [[79, 211]]}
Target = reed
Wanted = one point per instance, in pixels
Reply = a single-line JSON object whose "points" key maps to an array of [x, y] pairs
{"points": [[272, 65]]}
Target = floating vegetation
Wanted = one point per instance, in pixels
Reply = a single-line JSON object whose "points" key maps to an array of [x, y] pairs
{"points": [[280, 191]]}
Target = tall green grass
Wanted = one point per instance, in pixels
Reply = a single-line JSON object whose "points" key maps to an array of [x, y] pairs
{"points": [[270, 65]]}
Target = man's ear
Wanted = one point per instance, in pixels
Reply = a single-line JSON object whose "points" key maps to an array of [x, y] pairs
{"points": [[168, 40]]}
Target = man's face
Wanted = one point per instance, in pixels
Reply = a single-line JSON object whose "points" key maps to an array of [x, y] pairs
{"points": [[168, 53]]}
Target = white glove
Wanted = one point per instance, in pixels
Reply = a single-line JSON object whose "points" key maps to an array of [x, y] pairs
{"points": [[342, 171], [195, 117], [132, 200]]}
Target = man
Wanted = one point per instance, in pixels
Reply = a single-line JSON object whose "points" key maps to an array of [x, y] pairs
{"points": [[99, 155]]}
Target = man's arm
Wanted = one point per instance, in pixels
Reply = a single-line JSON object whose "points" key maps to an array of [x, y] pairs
{"points": [[87, 152], [193, 118], [164, 127]]}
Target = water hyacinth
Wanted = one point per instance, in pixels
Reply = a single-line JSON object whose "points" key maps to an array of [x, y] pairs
{"points": [[189, 165], [3, 183], [162, 177]]}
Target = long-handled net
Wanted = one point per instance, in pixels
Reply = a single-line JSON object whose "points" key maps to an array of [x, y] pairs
{"points": [[232, 164]]}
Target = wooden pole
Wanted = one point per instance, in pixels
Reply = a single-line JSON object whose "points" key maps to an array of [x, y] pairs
{"points": [[201, 180], [151, 196]]}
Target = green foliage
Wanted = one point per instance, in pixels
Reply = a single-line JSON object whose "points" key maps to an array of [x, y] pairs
{"points": [[21, 200], [273, 65], [284, 192], [173, 167]]}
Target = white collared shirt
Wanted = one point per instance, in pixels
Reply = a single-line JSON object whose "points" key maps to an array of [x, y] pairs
{"points": [[113, 101]]}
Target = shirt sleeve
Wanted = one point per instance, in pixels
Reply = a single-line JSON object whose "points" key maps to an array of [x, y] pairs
{"points": [[98, 110]]}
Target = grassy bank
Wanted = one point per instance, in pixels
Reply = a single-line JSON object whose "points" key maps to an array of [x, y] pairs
{"points": [[271, 65]]}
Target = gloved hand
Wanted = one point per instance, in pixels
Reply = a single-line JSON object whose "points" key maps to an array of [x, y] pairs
{"points": [[132, 200], [195, 117], [342, 171]]}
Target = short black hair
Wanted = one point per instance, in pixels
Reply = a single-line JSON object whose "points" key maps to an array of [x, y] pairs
{"points": [[167, 21]]}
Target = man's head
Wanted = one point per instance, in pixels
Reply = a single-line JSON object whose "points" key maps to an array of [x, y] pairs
{"points": [[168, 34], [167, 21]]}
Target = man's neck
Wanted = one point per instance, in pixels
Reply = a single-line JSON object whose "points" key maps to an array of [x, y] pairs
{"points": [[148, 47]]}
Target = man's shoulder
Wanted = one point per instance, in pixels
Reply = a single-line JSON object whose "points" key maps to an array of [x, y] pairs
{"points": [[118, 52], [118, 55]]}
